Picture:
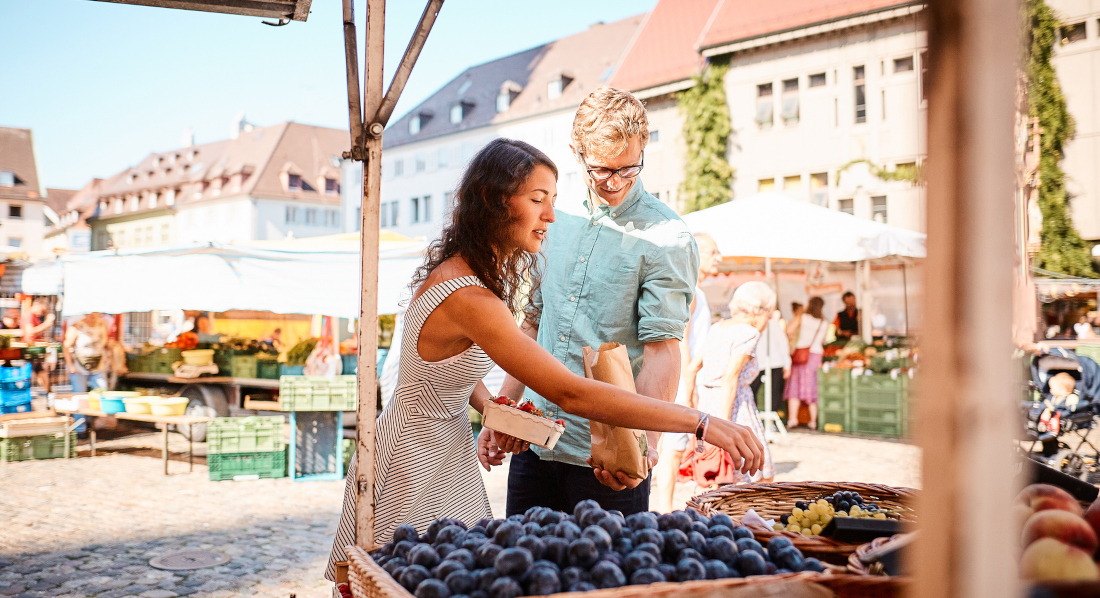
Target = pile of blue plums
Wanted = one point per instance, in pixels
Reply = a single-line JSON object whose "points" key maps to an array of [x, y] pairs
{"points": [[543, 552]]}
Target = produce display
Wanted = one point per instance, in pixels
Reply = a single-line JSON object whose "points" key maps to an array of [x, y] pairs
{"points": [[299, 353], [185, 341], [810, 518], [881, 356], [544, 552], [1058, 538]]}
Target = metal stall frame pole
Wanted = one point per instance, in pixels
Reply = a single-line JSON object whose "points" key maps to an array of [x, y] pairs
{"points": [[366, 127], [769, 416], [965, 422]]}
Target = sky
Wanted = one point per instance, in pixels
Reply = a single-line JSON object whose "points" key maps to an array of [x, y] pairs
{"points": [[102, 85]]}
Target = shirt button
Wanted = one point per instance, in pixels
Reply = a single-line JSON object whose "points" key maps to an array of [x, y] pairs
{"points": [[572, 298], [563, 338], [614, 213], [582, 260]]}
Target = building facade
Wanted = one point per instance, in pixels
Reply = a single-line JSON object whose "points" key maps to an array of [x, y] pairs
{"points": [[266, 183], [1077, 61], [827, 103], [23, 220], [531, 96]]}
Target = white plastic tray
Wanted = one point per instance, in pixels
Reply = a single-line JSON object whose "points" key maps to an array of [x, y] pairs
{"points": [[539, 431]]}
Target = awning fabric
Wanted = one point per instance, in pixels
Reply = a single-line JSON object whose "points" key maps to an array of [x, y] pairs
{"points": [[221, 277], [773, 225]]}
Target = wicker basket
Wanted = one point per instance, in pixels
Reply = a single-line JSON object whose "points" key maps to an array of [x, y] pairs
{"points": [[368, 580], [772, 500], [856, 566]]}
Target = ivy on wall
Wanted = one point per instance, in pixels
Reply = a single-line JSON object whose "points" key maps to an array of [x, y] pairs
{"points": [[1062, 250], [707, 174], [913, 174]]}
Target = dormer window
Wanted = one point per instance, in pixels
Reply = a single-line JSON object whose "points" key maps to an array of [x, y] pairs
{"points": [[157, 161], [331, 188], [294, 183], [507, 95], [418, 120], [7, 178], [132, 178], [460, 111], [557, 86]]}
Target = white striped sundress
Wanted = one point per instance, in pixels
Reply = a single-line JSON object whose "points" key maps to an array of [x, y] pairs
{"points": [[425, 460]]}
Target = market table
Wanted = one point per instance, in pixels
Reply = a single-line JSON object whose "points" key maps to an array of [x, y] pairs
{"points": [[250, 382], [162, 422]]}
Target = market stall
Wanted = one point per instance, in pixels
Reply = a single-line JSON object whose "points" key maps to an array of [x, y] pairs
{"points": [[805, 250]]}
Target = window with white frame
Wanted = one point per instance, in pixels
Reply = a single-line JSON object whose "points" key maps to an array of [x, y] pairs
{"points": [[395, 209], [291, 215], [294, 183], [817, 80], [421, 163], [443, 157], [847, 206], [7, 178], [1073, 33], [414, 210], [311, 216], [15, 211], [790, 101], [426, 208], [398, 167], [819, 188], [765, 107], [903, 64], [878, 209], [859, 78], [332, 187]]}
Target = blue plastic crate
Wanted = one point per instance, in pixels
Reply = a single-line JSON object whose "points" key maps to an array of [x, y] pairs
{"points": [[15, 374], [17, 385], [18, 408], [15, 397]]}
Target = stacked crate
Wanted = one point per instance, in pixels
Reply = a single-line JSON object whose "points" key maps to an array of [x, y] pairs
{"points": [[240, 448], [235, 363], [834, 400], [15, 389], [879, 404], [32, 448], [317, 393]]}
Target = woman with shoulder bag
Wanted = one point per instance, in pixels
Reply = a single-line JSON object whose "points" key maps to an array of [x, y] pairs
{"points": [[805, 361]]}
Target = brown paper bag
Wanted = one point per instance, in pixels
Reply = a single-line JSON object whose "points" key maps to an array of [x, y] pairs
{"points": [[615, 449]]}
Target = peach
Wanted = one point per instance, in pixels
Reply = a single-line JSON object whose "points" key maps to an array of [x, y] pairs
{"points": [[1048, 559], [1092, 516], [1041, 497], [1062, 526]]}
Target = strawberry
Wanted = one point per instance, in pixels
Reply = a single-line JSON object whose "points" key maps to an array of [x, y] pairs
{"points": [[501, 400], [527, 406], [511, 403], [560, 422]]}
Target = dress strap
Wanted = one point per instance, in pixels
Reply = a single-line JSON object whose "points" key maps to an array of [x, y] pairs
{"points": [[425, 304]]}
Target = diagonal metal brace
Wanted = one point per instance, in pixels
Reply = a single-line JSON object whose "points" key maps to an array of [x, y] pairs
{"points": [[412, 52]]}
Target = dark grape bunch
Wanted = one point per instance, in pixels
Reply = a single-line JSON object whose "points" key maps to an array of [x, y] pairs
{"points": [[543, 551]]}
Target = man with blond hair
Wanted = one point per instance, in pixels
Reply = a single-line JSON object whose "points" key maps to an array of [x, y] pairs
{"points": [[625, 273]]}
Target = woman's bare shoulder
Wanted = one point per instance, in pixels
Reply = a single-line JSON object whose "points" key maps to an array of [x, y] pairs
{"points": [[455, 267]]}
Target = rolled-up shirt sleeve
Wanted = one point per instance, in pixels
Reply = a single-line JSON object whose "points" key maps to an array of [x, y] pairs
{"points": [[668, 286]]}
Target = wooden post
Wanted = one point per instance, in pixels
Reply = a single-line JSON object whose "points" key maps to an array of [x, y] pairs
{"points": [[965, 395], [368, 319]]}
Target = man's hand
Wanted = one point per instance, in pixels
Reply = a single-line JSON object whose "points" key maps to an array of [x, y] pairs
{"points": [[620, 481]]}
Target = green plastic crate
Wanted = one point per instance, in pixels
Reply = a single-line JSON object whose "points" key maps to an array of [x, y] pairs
{"points": [[245, 434], [317, 393], [829, 421], [161, 360], [349, 450], [239, 366], [879, 382], [873, 428], [138, 363], [34, 448], [267, 369], [247, 466], [836, 381], [1089, 349]]}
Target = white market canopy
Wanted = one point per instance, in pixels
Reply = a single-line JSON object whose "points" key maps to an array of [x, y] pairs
{"points": [[304, 276], [773, 225]]}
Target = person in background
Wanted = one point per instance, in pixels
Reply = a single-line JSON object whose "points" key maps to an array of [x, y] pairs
{"points": [[85, 353], [847, 319], [11, 319], [35, 322], [729, 367], [773, 353], [275, 339], [1083, 328], [205, 328], [672, 446], [797, 309], [801, 386]]}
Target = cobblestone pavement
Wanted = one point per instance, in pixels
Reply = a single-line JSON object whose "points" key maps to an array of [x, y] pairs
{"points": [[88, 527]]}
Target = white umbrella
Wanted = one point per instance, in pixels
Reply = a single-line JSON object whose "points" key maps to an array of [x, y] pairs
{"points": [[773, 225]]}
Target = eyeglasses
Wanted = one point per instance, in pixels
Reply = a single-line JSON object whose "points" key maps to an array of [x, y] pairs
{"points": [[627, 172]]}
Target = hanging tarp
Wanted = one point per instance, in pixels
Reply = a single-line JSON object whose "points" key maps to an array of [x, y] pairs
{"points": [[221, 277], [773, 225]]}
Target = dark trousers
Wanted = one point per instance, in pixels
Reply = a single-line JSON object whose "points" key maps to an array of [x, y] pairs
{"points": [[778, 383], [533, 482]]}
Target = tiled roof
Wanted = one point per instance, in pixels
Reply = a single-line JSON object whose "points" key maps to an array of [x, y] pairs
{"points": [[663, 51], [258, 155], [17, 157], [58, 199], [589, 58], [478, 86], [736, 20]]}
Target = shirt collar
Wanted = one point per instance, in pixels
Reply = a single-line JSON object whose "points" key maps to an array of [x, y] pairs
{"points": [[601, 209]]}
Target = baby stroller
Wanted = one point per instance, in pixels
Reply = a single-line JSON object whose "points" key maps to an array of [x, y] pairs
{"points": [[1060, 427]]}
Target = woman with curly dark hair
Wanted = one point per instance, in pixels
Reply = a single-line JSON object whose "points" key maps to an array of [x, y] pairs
{"points": [[462, 318]]}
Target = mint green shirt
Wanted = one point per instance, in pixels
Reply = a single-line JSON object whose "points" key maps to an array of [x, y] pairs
{"points": [[625, 274]]}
